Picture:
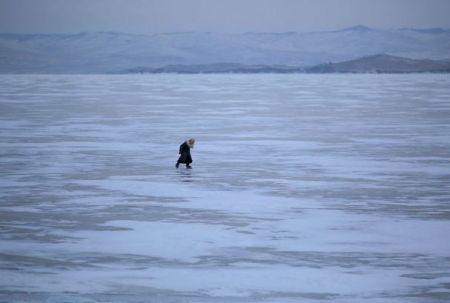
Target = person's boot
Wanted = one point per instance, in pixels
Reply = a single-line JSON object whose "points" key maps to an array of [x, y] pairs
{"points": [[178, 164], [188, 166]]}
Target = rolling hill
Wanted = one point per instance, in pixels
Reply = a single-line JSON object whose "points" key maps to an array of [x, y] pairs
{"points": [[109, 52]]}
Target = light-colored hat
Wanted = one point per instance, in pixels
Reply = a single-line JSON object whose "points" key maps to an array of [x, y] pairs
{"points": [[191, 142]]}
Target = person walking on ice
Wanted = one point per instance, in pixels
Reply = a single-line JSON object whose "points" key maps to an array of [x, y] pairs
{"points": [[185, 153]]}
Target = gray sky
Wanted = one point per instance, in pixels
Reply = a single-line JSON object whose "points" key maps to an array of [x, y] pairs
{"points": [[156, 16]]}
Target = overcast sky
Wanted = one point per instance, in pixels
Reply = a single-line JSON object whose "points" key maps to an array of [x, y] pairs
{"points": [[156, 16]]}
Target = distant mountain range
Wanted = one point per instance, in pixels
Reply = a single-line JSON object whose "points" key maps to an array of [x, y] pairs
{"points": [[107, 52], [383, 64]]}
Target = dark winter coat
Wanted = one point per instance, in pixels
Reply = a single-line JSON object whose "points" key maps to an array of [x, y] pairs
{"points": [[185, 154]]}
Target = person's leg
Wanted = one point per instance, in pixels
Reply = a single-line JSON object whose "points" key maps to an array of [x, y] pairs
{"points": [[178, 164]]}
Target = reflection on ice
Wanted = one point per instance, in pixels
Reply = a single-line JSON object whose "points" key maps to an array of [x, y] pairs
{"points": [[305, 188]]}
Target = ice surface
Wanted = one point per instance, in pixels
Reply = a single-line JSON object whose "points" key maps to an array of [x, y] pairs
{"points": [[305, 188]]}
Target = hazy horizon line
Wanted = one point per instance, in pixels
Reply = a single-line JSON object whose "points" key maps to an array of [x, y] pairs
{"points": [[354, 27]]}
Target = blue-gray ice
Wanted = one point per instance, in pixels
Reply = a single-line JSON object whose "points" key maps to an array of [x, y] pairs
{"points": [[305, 188]]}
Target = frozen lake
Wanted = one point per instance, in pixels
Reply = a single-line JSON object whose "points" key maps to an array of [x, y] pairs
{"points": [[305, 188]]}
